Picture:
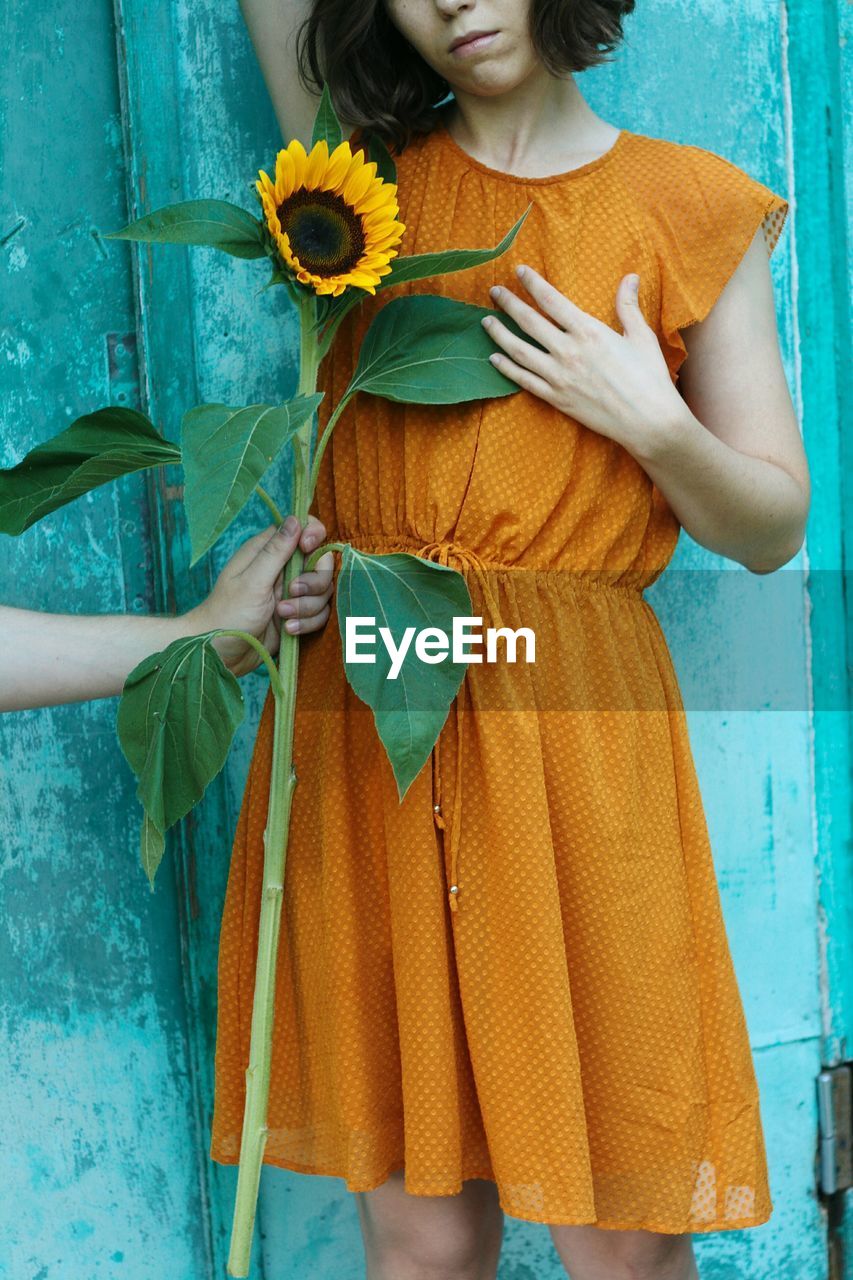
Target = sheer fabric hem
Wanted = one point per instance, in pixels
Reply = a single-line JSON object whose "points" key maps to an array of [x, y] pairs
{"points": [[452, 1188]]}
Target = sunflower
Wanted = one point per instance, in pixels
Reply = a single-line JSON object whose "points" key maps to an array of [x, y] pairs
{"points": [[331, 218]]}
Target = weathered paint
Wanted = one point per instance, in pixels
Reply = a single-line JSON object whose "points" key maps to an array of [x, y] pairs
{"points": [[99, 1155], [123, 982]]}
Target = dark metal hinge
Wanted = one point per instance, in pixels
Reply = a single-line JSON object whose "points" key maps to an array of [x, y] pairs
{"points": [[835, 1128]]}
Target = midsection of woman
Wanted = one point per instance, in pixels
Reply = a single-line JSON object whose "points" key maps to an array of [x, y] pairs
{"points": [[520, 972], [555, 844], [513, 478]]}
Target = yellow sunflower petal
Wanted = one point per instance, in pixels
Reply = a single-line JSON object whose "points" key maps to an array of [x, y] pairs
{"points": [[355, 165], [338, 164], [317, 164], [299, 156], [377, 199], [357, 184], [285, 175]]}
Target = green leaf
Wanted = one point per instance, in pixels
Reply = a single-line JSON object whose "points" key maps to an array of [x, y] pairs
{"points": [[326, 123], [226, 452], [385, 166], [216, 223], [324, 306], [401, 590], [96, 448], [152, 845], [418, 266], [427, 349], [177, 715]]}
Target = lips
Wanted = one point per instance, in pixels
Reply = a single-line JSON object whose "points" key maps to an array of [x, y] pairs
{"points": [[468, 37]]}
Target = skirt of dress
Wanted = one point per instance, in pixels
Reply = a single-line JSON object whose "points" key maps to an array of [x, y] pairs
{"points": [[574, 1030]]}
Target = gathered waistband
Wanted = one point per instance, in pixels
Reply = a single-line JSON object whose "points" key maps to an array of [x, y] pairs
{"points": [[459, 556]]}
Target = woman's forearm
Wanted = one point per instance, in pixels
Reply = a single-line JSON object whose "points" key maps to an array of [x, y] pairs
{"points": [[272, 27], [48, 658], [742, 507]]}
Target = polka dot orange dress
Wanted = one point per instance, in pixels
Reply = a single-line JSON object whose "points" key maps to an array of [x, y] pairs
{"points": [[521, 972]]}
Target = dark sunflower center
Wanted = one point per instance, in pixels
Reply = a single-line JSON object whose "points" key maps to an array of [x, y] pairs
{"points": [[325, 233]]}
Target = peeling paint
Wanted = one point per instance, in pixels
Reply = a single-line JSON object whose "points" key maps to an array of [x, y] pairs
{"points": [[100, 1075], [18, 258]]}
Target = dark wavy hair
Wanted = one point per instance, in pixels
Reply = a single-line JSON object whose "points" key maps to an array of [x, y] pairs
{"points": [[379, 83]]}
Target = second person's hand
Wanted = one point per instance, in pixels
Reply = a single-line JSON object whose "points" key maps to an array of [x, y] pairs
{"points": [[247, 594]]}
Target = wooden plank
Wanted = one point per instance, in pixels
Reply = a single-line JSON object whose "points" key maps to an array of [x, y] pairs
{"points": [[729, 90], [98, 1159], [164, 314], [822, 300]]}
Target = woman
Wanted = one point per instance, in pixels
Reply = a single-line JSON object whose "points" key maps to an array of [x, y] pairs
{"points": [[521, 998]]}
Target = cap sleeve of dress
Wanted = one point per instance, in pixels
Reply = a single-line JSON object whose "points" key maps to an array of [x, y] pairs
{"points": [[709, 218]]}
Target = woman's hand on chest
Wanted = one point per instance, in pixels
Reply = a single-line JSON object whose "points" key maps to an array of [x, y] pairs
{"points": [[616, 384]]}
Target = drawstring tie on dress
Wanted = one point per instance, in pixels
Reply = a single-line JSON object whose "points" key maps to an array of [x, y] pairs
{"points": [[442, 553]]}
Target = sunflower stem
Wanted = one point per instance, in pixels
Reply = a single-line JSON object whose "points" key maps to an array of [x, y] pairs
{"points": [[282, 785], [328, 335], [270, 503], [324, 440], [262, 653]]}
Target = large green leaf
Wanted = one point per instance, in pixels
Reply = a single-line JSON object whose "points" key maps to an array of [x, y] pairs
{"points": [[98, 447], [226, 452], [426, 349], [402, 591], [176, 718], [419, 266], [216, 223]]}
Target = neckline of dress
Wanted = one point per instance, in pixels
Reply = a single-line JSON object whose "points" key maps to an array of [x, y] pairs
{"points": [[621, 138]]}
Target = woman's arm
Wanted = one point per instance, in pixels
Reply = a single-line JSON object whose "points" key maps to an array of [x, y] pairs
{"points": [[51, 658], [726, 453], [272, 26], [730, 462]]}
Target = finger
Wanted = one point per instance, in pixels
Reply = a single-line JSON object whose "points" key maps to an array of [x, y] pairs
{"points": [[302, 626], [522, 352], [271, 557], [554, 303], [529, 381], [318, 577], [302, 606], [311, 584], [313, 533], [246, 552], [628, 307], [528, 318]]}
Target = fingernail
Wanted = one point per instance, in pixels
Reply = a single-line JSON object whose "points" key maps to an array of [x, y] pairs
{"points": [[310, 540], [292, 625], [287, 607], [635, 282], [521, 272], [290, 525]]}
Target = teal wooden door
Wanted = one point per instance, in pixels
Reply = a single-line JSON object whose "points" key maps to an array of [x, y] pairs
{"points": [[109, 993], [104, 1119]]}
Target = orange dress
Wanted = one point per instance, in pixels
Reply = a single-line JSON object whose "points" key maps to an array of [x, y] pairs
{"points": [[568, 1023]]}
